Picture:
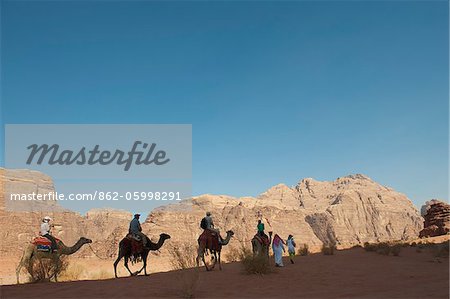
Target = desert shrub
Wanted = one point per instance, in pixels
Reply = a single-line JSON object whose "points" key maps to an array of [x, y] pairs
{"points": [[441, 250], [234, 254], [383, 248], [188, 279], [328, 249], [356, 246], [183, 256], [72, 272], [303, 251], [184, 259], [413, 244], [254, 264], [42, 270], [101, 274], [369, 247], [395, 249]]}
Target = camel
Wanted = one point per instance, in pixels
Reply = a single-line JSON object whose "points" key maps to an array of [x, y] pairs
{"points": [[32, 252], [203, 246], [261, 249], [125, 252]]}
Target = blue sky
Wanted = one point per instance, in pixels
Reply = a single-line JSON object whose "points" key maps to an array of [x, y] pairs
{"points": [[275, 91]]}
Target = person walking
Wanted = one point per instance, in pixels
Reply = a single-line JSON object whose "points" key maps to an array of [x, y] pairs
{"points": [[278, 249], [291, 247]]}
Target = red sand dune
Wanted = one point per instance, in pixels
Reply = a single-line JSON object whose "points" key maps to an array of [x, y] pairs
{"points": [[347, 274]]}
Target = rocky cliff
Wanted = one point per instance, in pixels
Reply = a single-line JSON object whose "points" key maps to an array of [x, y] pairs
{"points": [[437, 218], [350, 210]]}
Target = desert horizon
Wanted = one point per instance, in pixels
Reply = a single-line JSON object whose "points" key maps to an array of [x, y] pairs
{"points": [[312, 211], [224, 149]]}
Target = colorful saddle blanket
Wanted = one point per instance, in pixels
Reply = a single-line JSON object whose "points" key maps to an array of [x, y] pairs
{"points": [[42, 243], [263, 240], [136, 244], [211, 240]]}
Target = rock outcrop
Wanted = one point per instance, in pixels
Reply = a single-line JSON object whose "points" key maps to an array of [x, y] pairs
{"points": [[437, 219], [20, 223], [350, 210]]}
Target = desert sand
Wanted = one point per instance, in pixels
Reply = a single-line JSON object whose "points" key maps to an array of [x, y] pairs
{"points": [[352, 273]]}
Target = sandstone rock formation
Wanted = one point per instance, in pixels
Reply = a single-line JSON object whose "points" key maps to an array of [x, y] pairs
{"points": [[350, 210], [19, 224], [437, 219]]}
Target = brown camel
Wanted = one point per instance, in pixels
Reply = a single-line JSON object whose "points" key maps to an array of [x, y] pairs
{"points": [[32, 252], [214, 249], [259, 248], [126, 253]]}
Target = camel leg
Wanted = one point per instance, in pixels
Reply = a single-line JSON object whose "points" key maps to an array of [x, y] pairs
{"points": [[19, 267], [201, 255], [204, 262], [213, 257], [24, 261], [145, 267], [57, 262], [115, 264], [220, 265], [126, 265]]}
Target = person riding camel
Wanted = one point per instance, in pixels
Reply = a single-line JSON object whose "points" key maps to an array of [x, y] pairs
{"points": [[260, 228], [209, 225], [136, 229], [46, 232]]}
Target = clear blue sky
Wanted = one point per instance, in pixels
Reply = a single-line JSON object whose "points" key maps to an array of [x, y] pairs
{"points": [[275, 91]]}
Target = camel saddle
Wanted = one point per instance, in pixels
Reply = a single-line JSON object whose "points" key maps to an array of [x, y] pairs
{"points": [[42, 243], [211, 240], [264, 240], [137, 246]]}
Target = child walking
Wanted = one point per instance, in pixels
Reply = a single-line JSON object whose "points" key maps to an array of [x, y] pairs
{"points": [[291, 247]]}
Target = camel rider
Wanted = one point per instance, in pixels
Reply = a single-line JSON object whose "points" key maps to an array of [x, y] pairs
{"points": [[136, 229], [45, 231], [260, 228], [210, 225]]}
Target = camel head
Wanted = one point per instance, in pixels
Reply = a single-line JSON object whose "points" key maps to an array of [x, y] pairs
{"points": [[84, 240], [164, 236], [230, 232]]}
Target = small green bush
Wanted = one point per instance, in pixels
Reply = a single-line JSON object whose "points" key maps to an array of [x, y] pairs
{"points": [[441, 250], [328, 249], [303, 251], [369, 247], [254, 264], [395, 249], [383, 248]]}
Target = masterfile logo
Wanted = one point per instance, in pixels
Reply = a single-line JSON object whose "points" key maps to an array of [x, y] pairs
{"points": [[136, 167], [52, 155], [101, 151]]}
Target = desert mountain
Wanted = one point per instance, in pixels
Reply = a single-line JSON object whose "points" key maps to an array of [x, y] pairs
{"points": [[350, 210]]}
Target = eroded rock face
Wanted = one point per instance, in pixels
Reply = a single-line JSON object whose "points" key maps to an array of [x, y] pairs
{"points": [[437, 218], [19, 226], [348, 211]]}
